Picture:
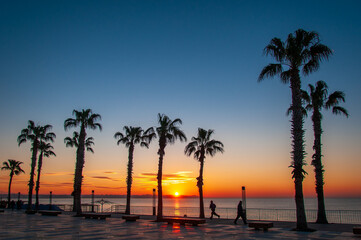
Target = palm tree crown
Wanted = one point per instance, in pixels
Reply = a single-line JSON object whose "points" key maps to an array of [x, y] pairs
{"points": [[13, 166], [74, 142], [319, 99], [135, 135], [301, 50], [35, 134], [168, 130], [85, 119], [203, 145]]}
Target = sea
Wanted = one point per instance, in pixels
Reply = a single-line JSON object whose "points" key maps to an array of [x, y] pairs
{"points": [[338, 210], [258, 203]]}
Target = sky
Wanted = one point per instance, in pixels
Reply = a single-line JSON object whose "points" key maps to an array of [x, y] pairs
{"points": [[194, 60]]}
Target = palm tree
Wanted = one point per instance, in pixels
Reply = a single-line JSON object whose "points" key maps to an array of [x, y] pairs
{"points": [[14, 167], [201, 146], [316, 100], [132, 136], [167, 131], [45, 151], [34, 134], [85, 119], [301, 51]]}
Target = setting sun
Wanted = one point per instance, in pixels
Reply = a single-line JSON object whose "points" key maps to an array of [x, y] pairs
{"points": [[176, 194]]}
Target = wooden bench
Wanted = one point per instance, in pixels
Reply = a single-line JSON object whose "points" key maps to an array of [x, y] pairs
{"points": [[357, 230], [96, 215], [30, 211], [49, 213], [130, 218], [183, 221], [258, 225]]}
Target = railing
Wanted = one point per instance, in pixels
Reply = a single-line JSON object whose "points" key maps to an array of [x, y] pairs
{"points": [[288, 215], [84, 207]]}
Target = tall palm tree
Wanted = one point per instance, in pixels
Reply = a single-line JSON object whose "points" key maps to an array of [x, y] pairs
{"points": [[132, 136], [45, 151], [35, 134], [167, 131], [316, 100], [14, 167], [201, 146], [301, 51], [85, 119]]}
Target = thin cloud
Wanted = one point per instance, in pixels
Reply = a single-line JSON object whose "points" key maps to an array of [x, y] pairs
{"points": [[110, 172], [104, 187], [58, 174], [167, 179], [106, 178]]}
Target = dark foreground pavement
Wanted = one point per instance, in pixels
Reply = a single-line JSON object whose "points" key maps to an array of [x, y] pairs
{"points": [[18, 225]]}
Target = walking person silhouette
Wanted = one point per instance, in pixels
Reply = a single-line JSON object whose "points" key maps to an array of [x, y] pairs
{"points": [[240, 213], [213, 206]]}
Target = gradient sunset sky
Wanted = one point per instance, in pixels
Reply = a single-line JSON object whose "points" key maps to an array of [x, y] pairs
{"points": [[194, 60]]}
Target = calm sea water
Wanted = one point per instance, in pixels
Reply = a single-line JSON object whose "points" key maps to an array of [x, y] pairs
{"points": [[265, 203]]}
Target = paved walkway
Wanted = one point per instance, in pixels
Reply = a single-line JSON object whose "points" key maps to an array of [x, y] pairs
{"points": [[18, 225]]}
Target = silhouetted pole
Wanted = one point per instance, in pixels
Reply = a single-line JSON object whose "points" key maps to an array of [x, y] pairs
{"points": [[244, 200], [153, 201], [18, 196], [92, 200], [50, 199]]}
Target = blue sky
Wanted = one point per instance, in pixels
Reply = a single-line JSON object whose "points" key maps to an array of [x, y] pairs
{"points": [[197, 60]]}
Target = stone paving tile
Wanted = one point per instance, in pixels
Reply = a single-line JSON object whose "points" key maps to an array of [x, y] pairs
{"points": [[17, 225]]}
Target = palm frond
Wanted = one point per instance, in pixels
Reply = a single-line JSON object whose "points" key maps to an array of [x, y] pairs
{"points": [[339, 110], [270, 71]]}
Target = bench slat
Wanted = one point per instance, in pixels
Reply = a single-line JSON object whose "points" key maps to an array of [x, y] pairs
{"points": [[130, 217], [258, 225], [183, 221], [96, 215], [357, 230], [49, 213]]}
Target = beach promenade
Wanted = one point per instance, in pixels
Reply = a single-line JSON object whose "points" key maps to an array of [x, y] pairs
{"points": [[18, 225]]}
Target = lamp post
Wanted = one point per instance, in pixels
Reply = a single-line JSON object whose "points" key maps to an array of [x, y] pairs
{"points": [[244, 200], [92, 200], [50, 199], [153, 201]]}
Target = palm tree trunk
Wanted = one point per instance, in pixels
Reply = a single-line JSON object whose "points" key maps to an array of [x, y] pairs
{"points": [[129, 178], [200, 187], [159, 178], [298, 149], [78, 176], [31, 181], [9, 190], [317, 163], [37, 186]]}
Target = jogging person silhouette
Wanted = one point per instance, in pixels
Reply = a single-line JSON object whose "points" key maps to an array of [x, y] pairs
{"points": [[213, 206]]}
